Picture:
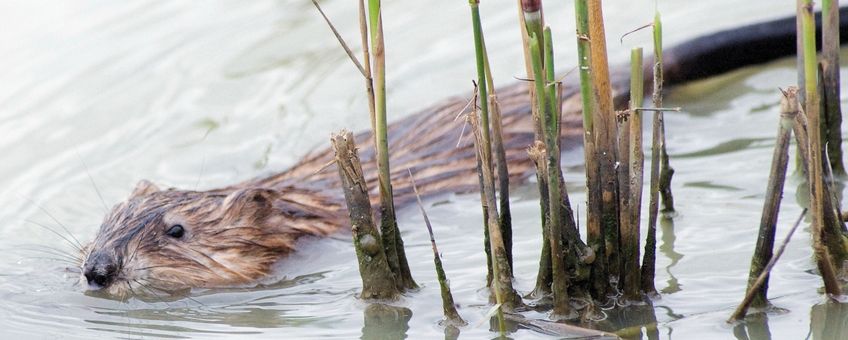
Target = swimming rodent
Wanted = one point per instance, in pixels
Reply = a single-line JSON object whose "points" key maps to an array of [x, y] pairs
{"points": [[173, 240]]}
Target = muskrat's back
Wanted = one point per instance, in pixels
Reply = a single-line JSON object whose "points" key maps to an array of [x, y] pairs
{"points": [[169, 240]]}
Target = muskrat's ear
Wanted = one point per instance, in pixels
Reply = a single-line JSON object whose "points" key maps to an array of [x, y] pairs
{"points": [[144, 187], [250, 202]]}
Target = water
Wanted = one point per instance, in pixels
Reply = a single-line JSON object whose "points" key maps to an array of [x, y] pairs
{"points": [[200, 95]]}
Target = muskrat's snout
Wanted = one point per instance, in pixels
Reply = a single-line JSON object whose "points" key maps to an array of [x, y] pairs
{"points": [[100, 270]]}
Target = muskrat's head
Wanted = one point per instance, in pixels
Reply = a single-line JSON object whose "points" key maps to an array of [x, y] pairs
{"points": [[168, 240]]}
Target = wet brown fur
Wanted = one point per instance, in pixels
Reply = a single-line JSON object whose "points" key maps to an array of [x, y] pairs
{"points": [[234, 235]]}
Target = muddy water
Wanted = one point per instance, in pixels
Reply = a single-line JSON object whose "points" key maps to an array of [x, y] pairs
{"points": [[97, 95]]}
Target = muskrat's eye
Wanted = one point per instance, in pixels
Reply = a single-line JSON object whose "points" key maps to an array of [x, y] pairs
{"points": [[176, 231]]}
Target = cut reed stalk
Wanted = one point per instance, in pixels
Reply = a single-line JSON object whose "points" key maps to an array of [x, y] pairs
{"points": [[505, 294], [392, 241], [366, 58], [666, 171], [799, 66], [483, 96], [811, 107], [499, 153], [774, 192], [378, 281], [657, 144], [833, 238], [605, 136], [449, 308], [623, 182], [594, 233], [762, 279], [530, 14], [830, 74], [633, 205]]}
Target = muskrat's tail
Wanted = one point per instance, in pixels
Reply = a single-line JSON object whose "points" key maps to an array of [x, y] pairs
{"points": [[429, 143]]}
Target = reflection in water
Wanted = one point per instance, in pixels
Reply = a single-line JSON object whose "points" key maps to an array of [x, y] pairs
{"points": [[629, 322], [667, 249], [724, 147], [829, 321], [385, 322], [755, 327]]}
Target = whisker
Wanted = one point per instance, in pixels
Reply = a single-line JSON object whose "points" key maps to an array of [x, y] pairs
{"points": [[169, 293], [76, 246], [43, 209], [134, 252], [45, 247], [129, 286], [213, 261], [152, 294], [195, 301], [49, 258], [96, 189], [62, 255], [199, 176], [151, 267]]}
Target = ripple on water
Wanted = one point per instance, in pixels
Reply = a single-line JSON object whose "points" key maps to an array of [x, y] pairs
{"points": [[207, 95]]}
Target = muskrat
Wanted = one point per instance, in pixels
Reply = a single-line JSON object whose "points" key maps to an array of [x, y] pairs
{"points": [[172, 240]]}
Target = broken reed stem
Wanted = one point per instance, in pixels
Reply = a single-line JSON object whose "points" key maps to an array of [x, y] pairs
{"points": [[657, 149], [830, 74], [834, 234], [774, 192], [448, 306], [762, 279], [505, 294], [623, 182], [364, 70], [799, 66], [392, 242], [366, 58], [339, 39], [378, 281], [633, 205], [594, 234], [605, 137], [811, 109], [666, 171], [484, 121], [833, 237], [499, 153]]}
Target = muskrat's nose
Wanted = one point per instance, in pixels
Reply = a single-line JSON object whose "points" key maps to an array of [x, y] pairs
{"points": [[100, 271]]}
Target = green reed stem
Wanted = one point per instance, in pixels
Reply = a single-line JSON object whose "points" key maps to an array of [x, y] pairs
{"points": [[392, 241], [483, 95], [830, 74], [562, 309], [366, 62], [533, 12], [823, 259], [666, 171], [630, 235]]}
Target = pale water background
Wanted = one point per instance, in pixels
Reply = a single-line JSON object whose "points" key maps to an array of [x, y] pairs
{"points": [[203, 94]]}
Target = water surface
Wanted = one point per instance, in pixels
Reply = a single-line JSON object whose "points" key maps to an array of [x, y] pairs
{"points": [[204, 94]]}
